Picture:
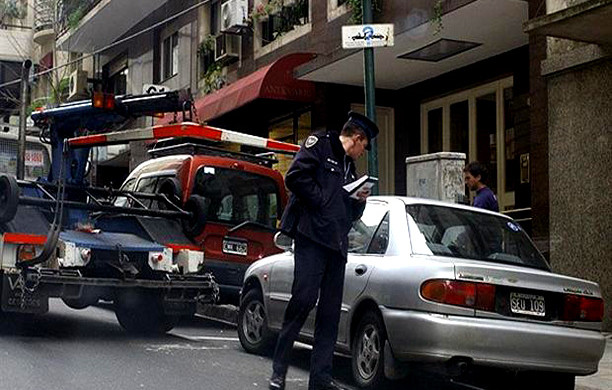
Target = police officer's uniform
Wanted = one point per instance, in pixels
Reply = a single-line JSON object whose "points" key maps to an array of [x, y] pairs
{"points": [[319, 216]]}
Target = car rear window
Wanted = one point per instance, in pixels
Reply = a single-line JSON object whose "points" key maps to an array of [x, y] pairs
{"points": [[453, 232], [238, 196]]}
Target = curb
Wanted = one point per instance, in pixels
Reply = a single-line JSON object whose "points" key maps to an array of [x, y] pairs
{"points": [[224, 313]]}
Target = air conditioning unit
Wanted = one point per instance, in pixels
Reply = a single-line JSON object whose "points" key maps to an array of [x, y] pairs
{"points": [[234, 14], [77, 85], [227, 47]]}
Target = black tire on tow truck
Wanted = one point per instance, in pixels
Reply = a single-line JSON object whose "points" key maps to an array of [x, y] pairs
{"points": [[9, 197], [198, 206], [141, 312]]}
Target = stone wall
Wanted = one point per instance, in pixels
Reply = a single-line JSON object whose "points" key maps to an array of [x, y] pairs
{"points": [[580, 147]]}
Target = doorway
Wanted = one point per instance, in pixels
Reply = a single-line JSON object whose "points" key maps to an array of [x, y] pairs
{"points": [[477, 122]]}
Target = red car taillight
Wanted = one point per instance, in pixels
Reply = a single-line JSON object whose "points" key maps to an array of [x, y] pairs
{"points": [[479, 296], [579, 308]]}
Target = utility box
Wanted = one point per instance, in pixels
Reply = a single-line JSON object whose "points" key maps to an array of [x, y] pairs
{"points": [[436, 176]]}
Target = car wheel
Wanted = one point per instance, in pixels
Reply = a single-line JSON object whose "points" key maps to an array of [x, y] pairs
{"points": [[367, 352], [253, 331], [142, 313]]}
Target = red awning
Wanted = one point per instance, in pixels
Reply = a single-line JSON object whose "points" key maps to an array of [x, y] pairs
{"points": [[274, 81]]}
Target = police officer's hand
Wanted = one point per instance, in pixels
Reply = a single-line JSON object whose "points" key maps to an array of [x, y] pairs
{"points": [[363, 194]]}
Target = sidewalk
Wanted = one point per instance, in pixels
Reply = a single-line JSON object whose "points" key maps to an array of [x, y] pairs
{"points": [[602, 380]]}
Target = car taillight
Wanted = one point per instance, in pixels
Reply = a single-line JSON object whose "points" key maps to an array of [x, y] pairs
{"points": [[480, 296], [579, 308]]}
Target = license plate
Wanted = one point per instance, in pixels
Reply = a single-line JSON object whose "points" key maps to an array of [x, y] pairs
{"points": [[235, 247], [17, 299], [529, 304]]}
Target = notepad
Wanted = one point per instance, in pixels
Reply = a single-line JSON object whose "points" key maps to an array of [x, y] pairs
{"points": [[365, 182]]}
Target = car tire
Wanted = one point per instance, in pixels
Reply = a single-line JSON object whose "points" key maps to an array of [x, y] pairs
{"points": [[9, 197], [141, 312], [253, 332], [367, 352], [198, 206]]}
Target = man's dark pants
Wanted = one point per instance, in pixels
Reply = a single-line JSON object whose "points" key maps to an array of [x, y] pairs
{"points": [[315, 267]]}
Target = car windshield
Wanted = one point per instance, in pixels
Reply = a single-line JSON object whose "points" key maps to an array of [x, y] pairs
{"points": [[234, 196], [453, 232]]}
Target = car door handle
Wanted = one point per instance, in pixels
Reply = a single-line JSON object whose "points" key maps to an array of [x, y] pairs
{"points": [[361, 269]]}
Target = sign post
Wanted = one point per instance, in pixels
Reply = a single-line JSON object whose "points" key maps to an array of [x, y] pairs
{"points": [[368, 36]]}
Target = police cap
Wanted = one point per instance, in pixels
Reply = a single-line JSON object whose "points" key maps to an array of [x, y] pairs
{"points": [[364, 123]]}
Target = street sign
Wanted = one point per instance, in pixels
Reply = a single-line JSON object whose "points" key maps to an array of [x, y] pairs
{"points": [[367, 35], [152, 88]]}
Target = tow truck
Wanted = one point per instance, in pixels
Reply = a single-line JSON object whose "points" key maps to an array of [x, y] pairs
{"points": [[62, 237]]}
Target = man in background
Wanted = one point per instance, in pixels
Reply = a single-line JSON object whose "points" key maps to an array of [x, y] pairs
{"points": [[474, 175]]}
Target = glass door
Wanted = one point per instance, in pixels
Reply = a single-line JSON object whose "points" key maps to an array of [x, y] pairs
{"points": [[477, 122]]}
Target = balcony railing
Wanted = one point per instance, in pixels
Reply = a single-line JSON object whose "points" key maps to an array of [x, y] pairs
{"points": [[70, 12], [43, 15]]}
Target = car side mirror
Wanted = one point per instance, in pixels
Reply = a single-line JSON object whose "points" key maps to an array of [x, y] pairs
{"points": [[283, 241]]}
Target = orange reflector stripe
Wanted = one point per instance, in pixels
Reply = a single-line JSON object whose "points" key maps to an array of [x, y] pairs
{"points": [[183, 130], [21, 238], [272, 144], [176, 248], [88, 140]]}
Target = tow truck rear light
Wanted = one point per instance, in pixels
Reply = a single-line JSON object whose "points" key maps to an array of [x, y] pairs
{"points": [[480, 296], [98, 100], [580, 308], [26, 252], [109, 101], [104, 101]]}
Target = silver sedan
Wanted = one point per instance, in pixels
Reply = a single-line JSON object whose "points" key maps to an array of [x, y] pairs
{"points": [[446, 286]]}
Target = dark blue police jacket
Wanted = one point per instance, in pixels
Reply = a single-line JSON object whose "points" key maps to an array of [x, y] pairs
{"points": [[319, 208]]}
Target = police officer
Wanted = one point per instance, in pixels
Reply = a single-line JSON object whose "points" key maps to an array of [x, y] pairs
{"points": [[319, 216]]}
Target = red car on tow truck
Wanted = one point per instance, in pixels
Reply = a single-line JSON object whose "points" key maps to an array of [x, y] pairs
{"points": [[238, 196]]}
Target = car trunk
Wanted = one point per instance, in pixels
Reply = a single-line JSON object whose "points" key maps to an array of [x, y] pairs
{"points": [[525, 294]]}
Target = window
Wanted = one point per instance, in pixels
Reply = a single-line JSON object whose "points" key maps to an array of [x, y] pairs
{"points": [[336, 8], [238, 196], [284, 19], [215, 9], [294, 129], [147, 185], [170, 56], [381, 238], [480, 122], [363, 230], [468, 234], [122, 201], [118, 82]]}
